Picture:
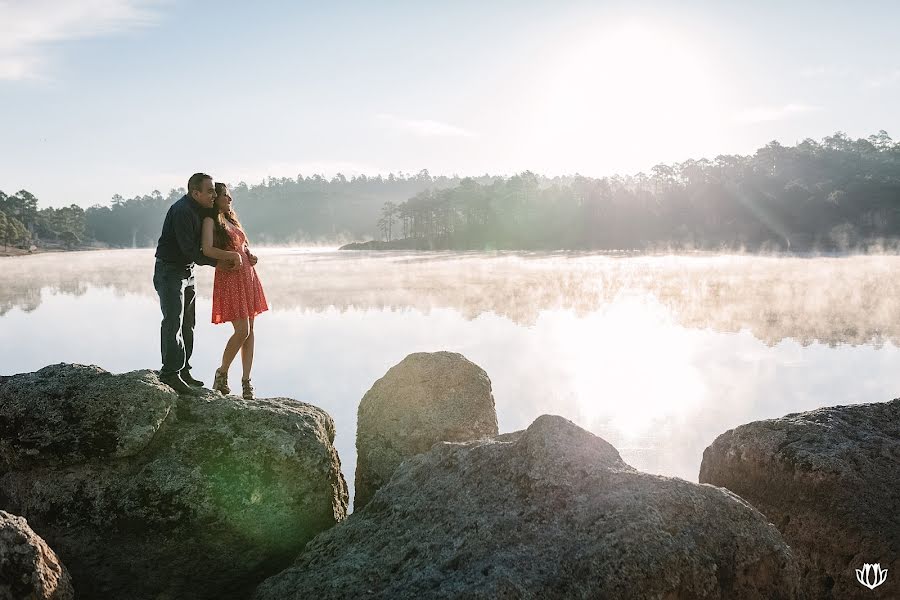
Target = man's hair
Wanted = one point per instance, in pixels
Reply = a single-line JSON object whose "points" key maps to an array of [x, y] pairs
{"points": [[195, 183]]}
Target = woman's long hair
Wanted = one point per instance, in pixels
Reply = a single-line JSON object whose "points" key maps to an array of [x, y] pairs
{"points": [[220, 236]]}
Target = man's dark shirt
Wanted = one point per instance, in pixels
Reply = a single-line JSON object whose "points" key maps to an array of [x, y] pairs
{"points": [[179, 243]]}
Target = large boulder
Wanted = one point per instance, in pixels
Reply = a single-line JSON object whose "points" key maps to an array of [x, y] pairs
{"points": [[426, 398], [145, 494], [548, 512], [829, 479], [28, 567]]}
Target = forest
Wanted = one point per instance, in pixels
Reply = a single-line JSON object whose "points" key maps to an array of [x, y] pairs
{"points": [[834, 194]]}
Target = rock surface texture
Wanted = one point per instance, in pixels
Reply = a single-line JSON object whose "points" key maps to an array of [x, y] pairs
{"points": [[144, 494], [29, 569], [829, 479], [428, 397], [548, 512]]}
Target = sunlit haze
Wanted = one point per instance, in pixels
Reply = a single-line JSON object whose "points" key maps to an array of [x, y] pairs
{"points": [[656, 354], [124, 97]]}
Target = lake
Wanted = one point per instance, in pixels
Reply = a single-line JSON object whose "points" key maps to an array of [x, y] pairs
{"points": [[656, 354]]}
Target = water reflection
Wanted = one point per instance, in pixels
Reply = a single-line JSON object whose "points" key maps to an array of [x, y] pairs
{"points": [[658, 355], [851, 300]]}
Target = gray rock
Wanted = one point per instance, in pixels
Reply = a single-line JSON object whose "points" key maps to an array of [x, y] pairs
{"points": [[829, 479], [427, 397], [145, 494], [548, 512], [28, 567], [66, 415]]}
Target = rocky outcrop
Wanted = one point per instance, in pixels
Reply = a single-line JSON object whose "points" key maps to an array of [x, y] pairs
{"points": [[28, 567], [428, 397], [548, 512], [144, 494], [829, 479]]}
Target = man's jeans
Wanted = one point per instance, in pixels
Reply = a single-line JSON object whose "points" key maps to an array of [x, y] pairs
{"points": [[175, 286]]}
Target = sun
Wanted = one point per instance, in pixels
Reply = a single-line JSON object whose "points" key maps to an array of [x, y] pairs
{"points": [[630, 87]]}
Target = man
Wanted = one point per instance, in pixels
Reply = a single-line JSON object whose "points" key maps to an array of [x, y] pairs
{"points": [[177, 252]]}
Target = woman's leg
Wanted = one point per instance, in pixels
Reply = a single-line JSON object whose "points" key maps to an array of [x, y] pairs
{"points": [[247, 353], [237, 339]]}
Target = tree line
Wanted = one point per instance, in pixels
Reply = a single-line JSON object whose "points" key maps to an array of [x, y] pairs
{"points": [[830, 195], [835, 193], [276, 211], [22, 223]]}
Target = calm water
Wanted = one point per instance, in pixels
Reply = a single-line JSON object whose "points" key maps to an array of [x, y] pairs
{"points": [[658, 355]]}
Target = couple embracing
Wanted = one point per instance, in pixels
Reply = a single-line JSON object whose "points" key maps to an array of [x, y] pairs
{"points": [[202, 228]]}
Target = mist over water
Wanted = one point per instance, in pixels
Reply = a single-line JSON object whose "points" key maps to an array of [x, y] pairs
{"points": [[657, 354]]}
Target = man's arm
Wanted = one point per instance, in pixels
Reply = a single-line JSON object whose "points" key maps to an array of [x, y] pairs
{"points": [[186, 236]]}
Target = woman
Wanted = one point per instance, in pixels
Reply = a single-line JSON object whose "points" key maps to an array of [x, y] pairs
{"points": [[237, 293]]}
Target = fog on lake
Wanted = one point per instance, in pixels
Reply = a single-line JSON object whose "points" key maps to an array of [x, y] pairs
{"points": [[656, 354]]}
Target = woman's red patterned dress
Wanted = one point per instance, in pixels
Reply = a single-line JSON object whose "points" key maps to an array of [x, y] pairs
{"points": [[237, 294]]}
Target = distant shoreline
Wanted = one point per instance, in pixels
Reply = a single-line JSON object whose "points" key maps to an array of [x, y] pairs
{"points": [[12, 252], [893, 249]]}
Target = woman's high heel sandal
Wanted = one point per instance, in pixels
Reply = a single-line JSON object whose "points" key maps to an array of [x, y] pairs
{"points": [[220, 383], [248, 389]]}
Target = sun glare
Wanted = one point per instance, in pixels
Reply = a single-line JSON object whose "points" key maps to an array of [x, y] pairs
{"points": [[619, 87], [623, 381]]}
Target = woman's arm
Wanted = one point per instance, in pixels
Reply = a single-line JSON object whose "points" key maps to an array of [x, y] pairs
{"points": [[206, 245], [253, 258]]}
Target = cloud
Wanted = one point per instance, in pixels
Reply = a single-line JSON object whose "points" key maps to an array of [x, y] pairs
{"points": [[824, 71], [884, 80], [425, 127], [18, 67], [817, 71], [29, 28], [762, 114]]}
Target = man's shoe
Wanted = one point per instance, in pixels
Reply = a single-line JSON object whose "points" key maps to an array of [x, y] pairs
{"points": [[186, 377], [176, 383]]}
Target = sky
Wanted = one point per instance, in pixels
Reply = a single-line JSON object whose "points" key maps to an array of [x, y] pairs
{"points": [[104, 97]]}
